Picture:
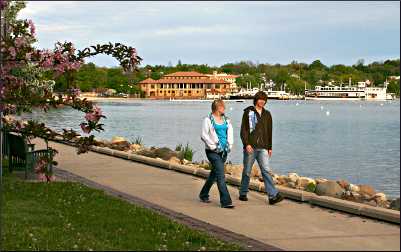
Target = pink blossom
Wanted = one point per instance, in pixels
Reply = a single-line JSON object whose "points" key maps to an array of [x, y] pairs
{"points": [[32, 27], [42, 177], [85, 128], [12, 51], [28, 56], [19, 42], [91, 117]]}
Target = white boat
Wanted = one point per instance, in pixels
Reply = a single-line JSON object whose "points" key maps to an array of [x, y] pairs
{"points": [[359, 92]]}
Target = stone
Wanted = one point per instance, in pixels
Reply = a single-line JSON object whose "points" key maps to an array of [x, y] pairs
{"points": [[283, 179], [320, 180], [302, 182], [147, 153], [102, 143], [380, 197], [395, 204], [293, 177], [291, 184], [329, 188], [353, 188], [117, 139], [185, 162], [367, 190], [175, 160], [165, 153], [343, 183], [255, 172], [135, 147], [121, 146]]}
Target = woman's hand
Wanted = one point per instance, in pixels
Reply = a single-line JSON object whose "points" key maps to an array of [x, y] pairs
{"points": [[249, 148]]}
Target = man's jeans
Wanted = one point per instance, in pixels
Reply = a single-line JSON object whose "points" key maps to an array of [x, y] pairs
{"points": [[217, 161], [262, 156]]}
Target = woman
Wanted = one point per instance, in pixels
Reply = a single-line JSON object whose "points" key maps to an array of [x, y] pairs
{"points": [[217, 133]]}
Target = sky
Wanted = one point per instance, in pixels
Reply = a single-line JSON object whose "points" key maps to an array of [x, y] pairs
{"points": [[216, 33]]}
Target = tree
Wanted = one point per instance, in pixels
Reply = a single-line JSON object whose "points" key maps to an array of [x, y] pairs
{"points": [[25, 82]]}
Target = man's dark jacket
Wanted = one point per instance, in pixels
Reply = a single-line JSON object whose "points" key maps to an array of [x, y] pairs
{"points": [[261, 136]]}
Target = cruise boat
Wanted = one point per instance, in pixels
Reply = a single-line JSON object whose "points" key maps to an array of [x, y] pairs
{"points": [[359, 92]]}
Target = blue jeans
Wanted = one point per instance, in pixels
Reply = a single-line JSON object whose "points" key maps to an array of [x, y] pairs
{"points": [[217, 161], [262, 157]]}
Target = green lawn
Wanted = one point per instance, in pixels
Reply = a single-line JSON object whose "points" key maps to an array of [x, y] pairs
{"points": [[71, 216]]}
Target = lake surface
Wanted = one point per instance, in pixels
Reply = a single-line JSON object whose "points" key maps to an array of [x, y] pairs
{"points": [[354, 140]]}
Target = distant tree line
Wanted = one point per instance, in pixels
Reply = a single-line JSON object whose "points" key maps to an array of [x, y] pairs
{"points": [[294, 77]]}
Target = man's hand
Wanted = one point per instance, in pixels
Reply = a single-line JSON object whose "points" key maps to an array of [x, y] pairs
{"points": [[270, 152], [249, 149]]}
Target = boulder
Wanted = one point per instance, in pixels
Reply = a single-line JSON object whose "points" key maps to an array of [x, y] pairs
{"points": [[343, 183], [293, 177], [302, 182], [395, 204], [282, 180], [175, 160], [102, 143], [135, 147], [121, 146], [353, 188], [329, 188], [353, 196], [367, 190], [117, 139], [165, 153], [255, 172], [186, 162], [320, 180], [380, 197], [147, 152], [234, 170], [291, 184]]}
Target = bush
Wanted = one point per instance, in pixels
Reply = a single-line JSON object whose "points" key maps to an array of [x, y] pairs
{"points": [[138, 140], [178, 147], [186, 152]]}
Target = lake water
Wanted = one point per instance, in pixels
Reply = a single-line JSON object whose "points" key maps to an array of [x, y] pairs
{"points": [[355, 140]]}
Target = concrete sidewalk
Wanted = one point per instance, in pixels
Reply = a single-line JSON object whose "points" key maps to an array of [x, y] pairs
{"points": [[288, 225]]}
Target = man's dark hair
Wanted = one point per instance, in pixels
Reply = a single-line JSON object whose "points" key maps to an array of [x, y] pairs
{"points": [[259, 96]]}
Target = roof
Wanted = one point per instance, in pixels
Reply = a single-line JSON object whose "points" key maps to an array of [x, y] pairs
{"points": [[223, 75], [148, 81], [186, 74]]}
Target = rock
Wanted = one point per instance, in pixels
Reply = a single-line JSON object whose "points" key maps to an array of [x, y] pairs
{"points": [[102, 143], [329, 188], [185, 162], [117, 139], [282, 179], [291, 184], [380, 197], [165, 153], [371, 203], [255, 171], [175, 160], [353, 188], [343, 183], [233, 170], [320, 180], [353, 196], [135, 147], [147, 152], [293, 177], [122, 146], [395, 204], [302, 182], [366, 190]]}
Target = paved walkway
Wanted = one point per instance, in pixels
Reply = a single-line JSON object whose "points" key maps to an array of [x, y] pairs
{"points": [[288, 225]]}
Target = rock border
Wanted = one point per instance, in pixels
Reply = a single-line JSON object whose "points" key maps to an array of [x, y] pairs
{"points": [[355, 208]]}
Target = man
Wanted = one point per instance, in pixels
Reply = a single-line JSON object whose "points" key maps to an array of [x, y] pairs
{"points": [[256, 136]]}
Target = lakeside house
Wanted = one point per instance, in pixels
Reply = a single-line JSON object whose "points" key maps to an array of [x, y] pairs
{"points": [[188, 85]]}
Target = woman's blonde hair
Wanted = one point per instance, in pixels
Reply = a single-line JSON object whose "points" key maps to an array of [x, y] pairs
{"points": [[216, 103]]}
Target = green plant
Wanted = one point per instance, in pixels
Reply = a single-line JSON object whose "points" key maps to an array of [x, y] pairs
{"points": [[186, 153], [138, 140], [178, 147]]}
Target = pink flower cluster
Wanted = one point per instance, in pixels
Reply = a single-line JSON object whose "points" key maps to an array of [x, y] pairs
{"points": [[59, 59], [40, 170], [92, 117]]}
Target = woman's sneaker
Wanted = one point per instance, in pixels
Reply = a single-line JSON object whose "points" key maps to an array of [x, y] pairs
{"points": [[228, 206], [276, 199], [204, 200]]}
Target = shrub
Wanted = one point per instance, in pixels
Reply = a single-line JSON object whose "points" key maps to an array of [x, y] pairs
{"points": [[138, 140], [186, 152]]}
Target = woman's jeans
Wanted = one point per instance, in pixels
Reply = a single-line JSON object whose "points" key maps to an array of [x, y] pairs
{"points": [[262, 156], [217, 161]]}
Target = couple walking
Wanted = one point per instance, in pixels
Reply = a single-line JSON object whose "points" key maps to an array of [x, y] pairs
{"points": [[256, 136]]}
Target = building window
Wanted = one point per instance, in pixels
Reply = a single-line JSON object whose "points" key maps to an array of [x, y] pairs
{"points": [[152, 86], [217, 85]]}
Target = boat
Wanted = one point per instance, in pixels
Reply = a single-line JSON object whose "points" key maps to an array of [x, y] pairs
{"points": [[359, 92]]}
